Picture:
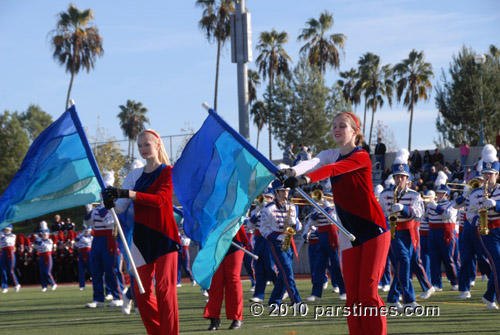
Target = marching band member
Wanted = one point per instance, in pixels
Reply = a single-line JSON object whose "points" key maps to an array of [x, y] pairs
{"points": [[8, 259], [104, 254], [226, 285], [264, 266], [385, 281], [184, 259], [350, 171], [423, 231], [442, 237], [326, 251], [44, 246], [275, 217], [155, 240], [247, 259], [406, 207], [487, 197], [84, 244]]}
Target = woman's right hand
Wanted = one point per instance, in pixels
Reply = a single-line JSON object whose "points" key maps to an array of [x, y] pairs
{"points": [[294, 182]]}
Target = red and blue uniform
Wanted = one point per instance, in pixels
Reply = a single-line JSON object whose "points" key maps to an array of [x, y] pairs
{"points": [[84, 245], [359, 212], [155, 247], [8, 259], [44, 247], [184, 259]]}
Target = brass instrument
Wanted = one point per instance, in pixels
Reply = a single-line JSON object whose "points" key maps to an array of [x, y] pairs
{"points": [[393, 217], [289, 231], [458, 187], [260, 199], [300, 201], [317, 195], [483, 214]]}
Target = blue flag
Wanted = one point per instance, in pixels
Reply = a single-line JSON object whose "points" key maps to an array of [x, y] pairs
{"points": [[216, 179], [58, 172]]}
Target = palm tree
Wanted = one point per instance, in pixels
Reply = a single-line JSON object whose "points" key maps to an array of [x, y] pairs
{"points": [[364, 64], [215, 22], [322, 50], [272, 61], [253, 82], [377, 83], [258, 113], [413, 77], [132, 119], [76, 42], [351, 96]]}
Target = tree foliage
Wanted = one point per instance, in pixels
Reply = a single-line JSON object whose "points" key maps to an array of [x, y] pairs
{"points": [[15, 143], [458, 98], [301, 110], [132, 121], [76, 42], [34, 121]]}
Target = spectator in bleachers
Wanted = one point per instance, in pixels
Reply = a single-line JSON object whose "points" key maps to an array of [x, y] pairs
{"points": [[464, 152], [416, 161], [427, 160], [56, 224], [437, 157]]}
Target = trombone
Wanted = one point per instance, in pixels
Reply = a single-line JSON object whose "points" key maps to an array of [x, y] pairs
{"points": [[457, 187]]}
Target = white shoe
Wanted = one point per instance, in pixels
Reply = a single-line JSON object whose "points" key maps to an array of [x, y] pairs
{"points": [[116, 303], [473, 283], [484, 278], [489, 304], [398, 305], [285, 296], [437, 289], [411, 305], [179, 285], [109, 297], [205, 293], [206, 301], [125, 291], [325, 285], [44, 289], [454, 288], [269, 282], [53, 288], [82, 288], [5, 290], [343, 296], [379, 287], [193, 283], [386, 288], [427, 294], [335, 289], [127, 305], [464, 295], [312, 298], [94, 304], [255, 299], [17, 288], [252, 289]]}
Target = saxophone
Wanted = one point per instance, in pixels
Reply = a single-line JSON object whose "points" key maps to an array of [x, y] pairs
{"points": [[288, 230], [483, 214], [393, 217]]}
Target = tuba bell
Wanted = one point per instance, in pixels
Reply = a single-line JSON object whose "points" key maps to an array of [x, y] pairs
{"points": [[317, 195]]}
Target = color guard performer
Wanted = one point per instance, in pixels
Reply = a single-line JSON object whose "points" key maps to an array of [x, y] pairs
{"points": [[275, 218], [486, 199]]}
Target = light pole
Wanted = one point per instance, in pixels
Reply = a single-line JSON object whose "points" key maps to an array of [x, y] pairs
{"points": [[480, 59]]}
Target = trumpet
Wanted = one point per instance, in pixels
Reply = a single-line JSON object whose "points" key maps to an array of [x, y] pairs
{"points": [[288, 231], [483, 214], [393, 217], [458, 187]]}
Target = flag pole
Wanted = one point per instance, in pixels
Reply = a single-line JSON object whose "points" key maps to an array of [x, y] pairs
{"points": [[249, 253], [127, 251]]}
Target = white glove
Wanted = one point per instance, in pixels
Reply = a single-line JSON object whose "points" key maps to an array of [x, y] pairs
{"points": [[445, 216], [88, 207], [397, 208], [432, 205], [280, 238], [488, 203]]}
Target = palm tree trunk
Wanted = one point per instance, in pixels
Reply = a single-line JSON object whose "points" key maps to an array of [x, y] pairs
{"points": [[269, 121], [69, 90], [133, 149], [364, 117], [217, 73], [257, 145], [374, 108], [409, 132]]}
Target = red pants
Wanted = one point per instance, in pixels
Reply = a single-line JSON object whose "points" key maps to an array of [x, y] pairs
{"points": [[159, 312], [226, 278], [363, 267]]}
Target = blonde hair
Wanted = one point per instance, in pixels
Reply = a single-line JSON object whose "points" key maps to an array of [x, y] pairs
{"points": [[162, 153], [355, 123]]}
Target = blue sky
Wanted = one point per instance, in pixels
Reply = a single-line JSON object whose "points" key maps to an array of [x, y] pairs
{"points": [[156, 54]]}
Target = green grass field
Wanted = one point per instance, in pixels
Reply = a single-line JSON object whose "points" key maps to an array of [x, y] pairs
{"points": [[32, 312]]}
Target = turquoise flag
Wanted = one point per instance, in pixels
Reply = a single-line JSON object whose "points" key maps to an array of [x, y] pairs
{"points": [[58, 172], [216, 179]]}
